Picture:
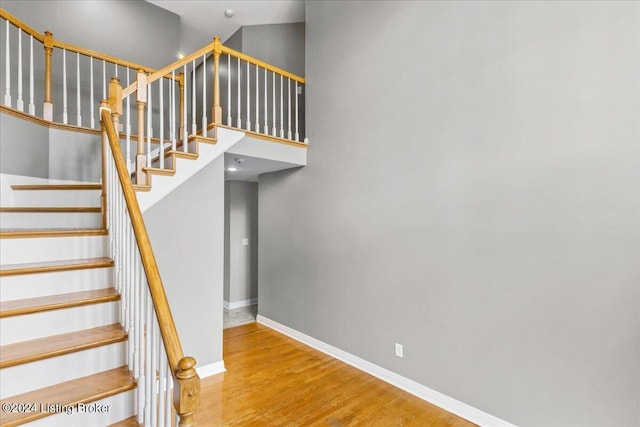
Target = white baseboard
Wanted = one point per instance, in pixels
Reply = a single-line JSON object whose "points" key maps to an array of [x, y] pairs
{"points": [[238, 304], [210, 369], [425, 393]]}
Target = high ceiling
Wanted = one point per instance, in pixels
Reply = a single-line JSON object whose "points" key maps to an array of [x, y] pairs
{"points": [[201, 20]]}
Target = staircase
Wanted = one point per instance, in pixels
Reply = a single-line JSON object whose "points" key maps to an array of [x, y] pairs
{"points": [[63, 349]]}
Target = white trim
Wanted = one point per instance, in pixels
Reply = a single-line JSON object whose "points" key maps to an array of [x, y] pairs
{"points": [[445, 402], [238, 304], [210, 369]]}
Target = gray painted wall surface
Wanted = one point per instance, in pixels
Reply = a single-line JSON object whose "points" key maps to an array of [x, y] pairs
{"points": [[241, 261], [472, 193], [187, 231], [75, 156], [30, 149], [24, 147]]}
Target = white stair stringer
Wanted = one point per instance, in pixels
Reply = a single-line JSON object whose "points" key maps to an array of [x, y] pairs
{"points": [[161, 186], [38, 249], [47, 372]]}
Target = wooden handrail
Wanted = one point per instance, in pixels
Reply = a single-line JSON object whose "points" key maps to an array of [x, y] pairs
{"points": [[261, 64], [186, 381], [164, 71], [98, 55], [18, 23]]}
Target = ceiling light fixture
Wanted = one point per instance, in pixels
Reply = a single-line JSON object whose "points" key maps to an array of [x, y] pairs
{"points": [[232, 168], [228, 13]]}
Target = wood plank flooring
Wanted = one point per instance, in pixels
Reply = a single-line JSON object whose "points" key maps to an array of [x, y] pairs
{"points": [[273, 380]]}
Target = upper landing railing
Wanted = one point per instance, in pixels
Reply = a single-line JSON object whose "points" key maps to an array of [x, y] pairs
{"points": [[63, 83], [259, 98]]}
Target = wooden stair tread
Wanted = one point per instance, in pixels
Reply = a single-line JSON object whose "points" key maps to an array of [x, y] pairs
{"points": [[55, 232], [129, 422], [55, 302], [50, 266], [56, 345], [49, 209], [203, 139], [182, 154], [159, 171], [82, 390], [139, 187], [57, 187]]}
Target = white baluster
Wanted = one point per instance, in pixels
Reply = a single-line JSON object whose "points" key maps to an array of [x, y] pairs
{"points": [[154, 369], [266, 111], [104, 80], [93, 119], [161, 383], [139, 374], [149, 128], [64, 86], [115, 67], [32, 106], [149, 373], [127, 125], [289, 107], [229, 90], [239, 121], [161, 104], [79, 117], [173, 111], [7, 69], [184, 109], [194, 128], [168, 393], [257, 98], [281, 108], [273, 95], [204, 95], [248, 96], [19, 102], [297, 134]]}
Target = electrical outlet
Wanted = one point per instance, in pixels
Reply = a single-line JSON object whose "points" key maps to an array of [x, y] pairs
{"points": [[399, 350]]}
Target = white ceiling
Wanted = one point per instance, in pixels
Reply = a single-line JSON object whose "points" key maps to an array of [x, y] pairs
{"points": [[201, 20]]}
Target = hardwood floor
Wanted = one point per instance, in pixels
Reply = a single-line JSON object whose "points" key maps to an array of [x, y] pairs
{"points": [[272, 380]]}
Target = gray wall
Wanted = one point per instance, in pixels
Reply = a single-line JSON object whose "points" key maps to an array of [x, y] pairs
{"points": [[24, 147], [472, 193], [241, 222], [188, 245], [31, 149]]}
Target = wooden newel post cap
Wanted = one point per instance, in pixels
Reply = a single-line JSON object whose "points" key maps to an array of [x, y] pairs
{"points": [[186, 367]]}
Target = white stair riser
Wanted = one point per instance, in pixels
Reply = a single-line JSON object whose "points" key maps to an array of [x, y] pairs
{"points": [[32, 326], [61, 282], [22, 250], [117, 407], [47, 372], [41, 220], [44, 198]]}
